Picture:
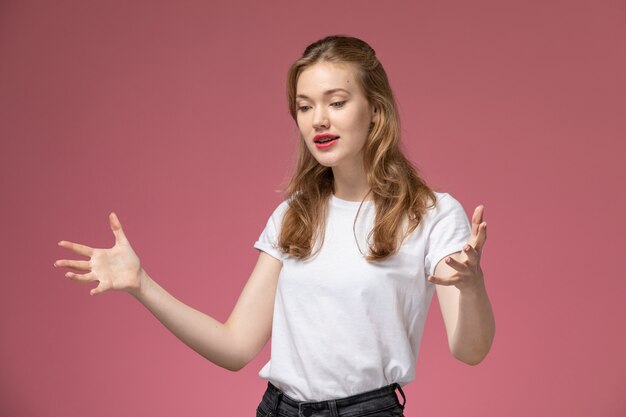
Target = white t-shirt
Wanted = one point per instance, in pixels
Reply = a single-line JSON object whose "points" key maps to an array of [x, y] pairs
{"points": [[343, 325]]}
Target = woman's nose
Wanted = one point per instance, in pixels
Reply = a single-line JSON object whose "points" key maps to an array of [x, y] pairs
{"points": [[320, 121]]}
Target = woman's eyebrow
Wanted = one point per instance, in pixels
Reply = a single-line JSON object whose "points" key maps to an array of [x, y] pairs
{"points": [[327, 92]]}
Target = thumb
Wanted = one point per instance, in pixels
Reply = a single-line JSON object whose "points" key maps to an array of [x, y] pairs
{"points": [[116, 227], [99, 289]]}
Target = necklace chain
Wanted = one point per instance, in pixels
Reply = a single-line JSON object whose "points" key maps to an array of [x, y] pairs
{"points": [[354, 224]]}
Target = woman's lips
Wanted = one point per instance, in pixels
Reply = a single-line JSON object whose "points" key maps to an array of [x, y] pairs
{"points": [[325, 140], [326, 144]]}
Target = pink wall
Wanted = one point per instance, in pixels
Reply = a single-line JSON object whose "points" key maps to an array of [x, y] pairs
{"points": [[172, 114]]}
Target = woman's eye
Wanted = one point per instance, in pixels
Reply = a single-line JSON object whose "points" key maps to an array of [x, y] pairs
{"points": [[338, 103], [303, 108]]}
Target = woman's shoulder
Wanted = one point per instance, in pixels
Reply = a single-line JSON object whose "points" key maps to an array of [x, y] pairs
{"points": [[280, 209], [444, 203], [444, 197]]}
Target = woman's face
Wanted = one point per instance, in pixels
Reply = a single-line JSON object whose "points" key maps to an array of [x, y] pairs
{"points": [[330, 103]]}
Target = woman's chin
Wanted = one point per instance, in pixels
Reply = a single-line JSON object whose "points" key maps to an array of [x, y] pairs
{"points": [[326, 163]]}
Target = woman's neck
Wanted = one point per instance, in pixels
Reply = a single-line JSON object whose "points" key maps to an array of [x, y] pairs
{"points": [[351, 184]]}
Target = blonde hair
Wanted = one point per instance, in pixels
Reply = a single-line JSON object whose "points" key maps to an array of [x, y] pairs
{"points": [[399, 193]]}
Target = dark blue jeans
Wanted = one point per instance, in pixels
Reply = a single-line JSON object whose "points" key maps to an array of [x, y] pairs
{"points": [[381, 402]]}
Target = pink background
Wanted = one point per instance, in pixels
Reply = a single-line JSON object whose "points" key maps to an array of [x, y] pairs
{"points": [[173, 115]]}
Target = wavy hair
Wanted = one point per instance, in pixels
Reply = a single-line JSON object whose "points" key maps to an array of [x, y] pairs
{"points": [[400, 196]]}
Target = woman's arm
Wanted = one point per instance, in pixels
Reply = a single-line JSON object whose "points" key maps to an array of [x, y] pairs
{"points": [[234, 343], [465, 306], [230, 345]]}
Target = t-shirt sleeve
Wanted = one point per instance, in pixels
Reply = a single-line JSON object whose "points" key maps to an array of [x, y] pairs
{"points": [[267, 242], [449, 231]]}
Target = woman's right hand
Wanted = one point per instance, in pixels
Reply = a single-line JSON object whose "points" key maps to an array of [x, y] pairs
{"points": [[116, 268]]}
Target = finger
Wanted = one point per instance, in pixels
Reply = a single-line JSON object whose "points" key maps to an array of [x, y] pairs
{"points": [[477, 218], [443, 281], [472, 254], [481, 238], [80, 277], [99, 289], [459, 266], [76, 247], [116, 227], [79, 265]]}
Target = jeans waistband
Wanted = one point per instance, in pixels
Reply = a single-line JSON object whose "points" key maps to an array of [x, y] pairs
{"points": [[384, 397]]}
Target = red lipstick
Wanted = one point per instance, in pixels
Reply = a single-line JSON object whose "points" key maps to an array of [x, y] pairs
{"points": [[325, 140]]}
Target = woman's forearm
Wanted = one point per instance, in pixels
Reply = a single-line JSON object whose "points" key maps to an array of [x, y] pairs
{"points": [[205, 335], [475, 328]]}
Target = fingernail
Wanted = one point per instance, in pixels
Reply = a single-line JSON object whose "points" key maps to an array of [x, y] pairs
{"points": [[466, 247]]}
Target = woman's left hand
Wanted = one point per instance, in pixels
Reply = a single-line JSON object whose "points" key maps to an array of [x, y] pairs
{"points": [[468, 275]]}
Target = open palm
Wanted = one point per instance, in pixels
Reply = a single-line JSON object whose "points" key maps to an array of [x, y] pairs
{"points": [[116, 268]]}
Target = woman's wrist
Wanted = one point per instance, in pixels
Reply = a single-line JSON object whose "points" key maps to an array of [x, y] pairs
{"points": [[474, 290], [143, 283]]}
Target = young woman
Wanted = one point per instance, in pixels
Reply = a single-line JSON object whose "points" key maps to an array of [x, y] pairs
{"points": [[360, 244]]}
